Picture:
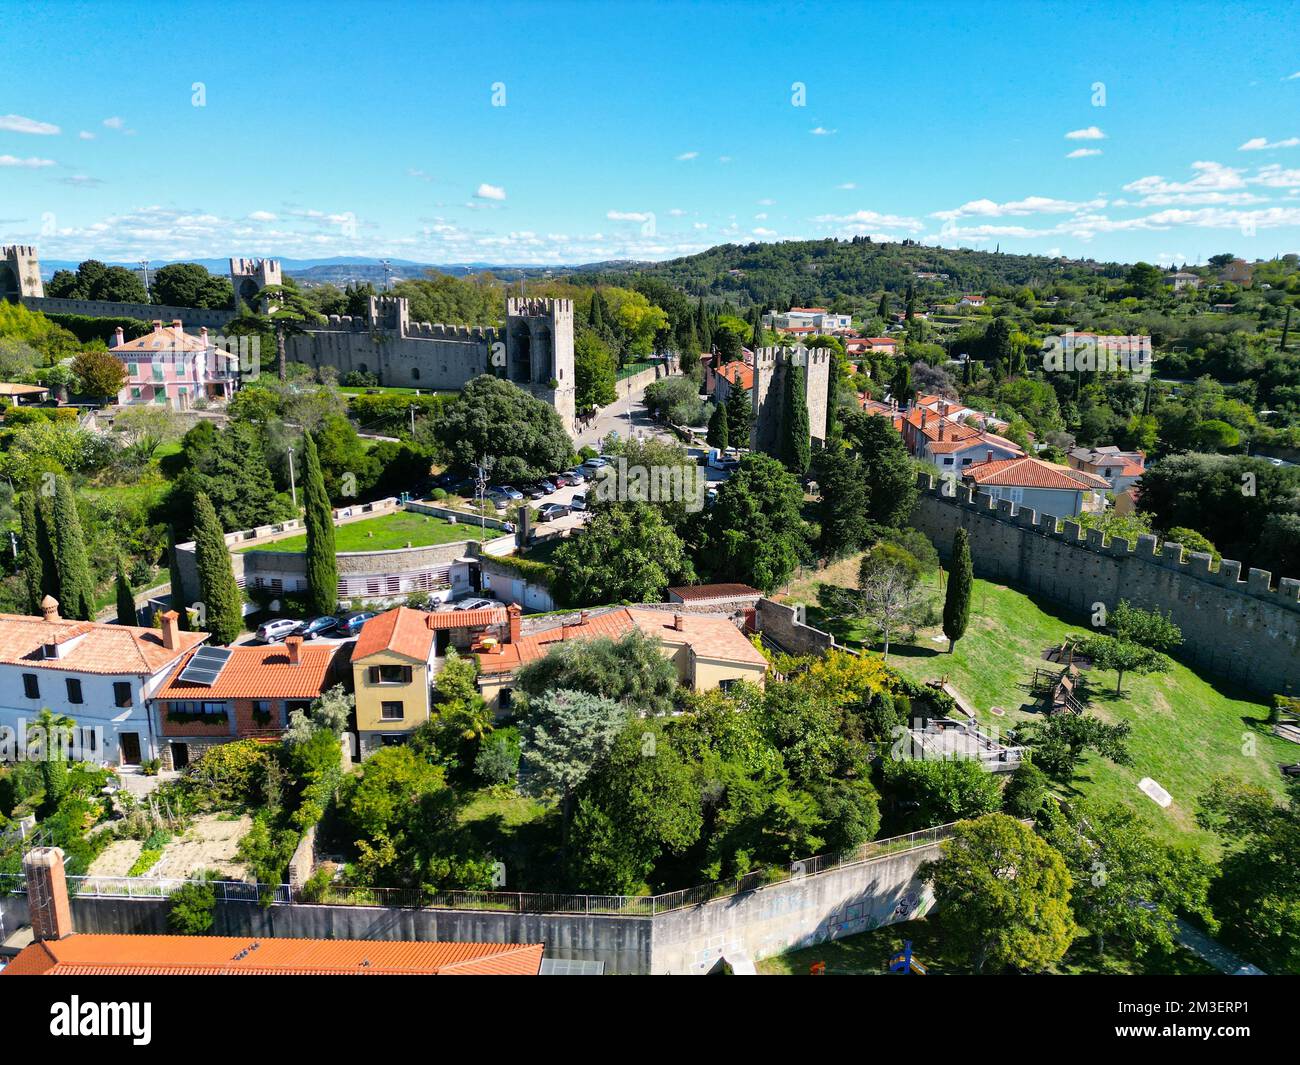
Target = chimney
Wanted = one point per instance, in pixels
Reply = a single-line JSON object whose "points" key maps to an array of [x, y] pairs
{"points": [[582, 617], [293, 645], [925, 416], [50, 608], [514, 612], [916, 398], [942, 420], [47, 893], [203, 335], [157, 325], [178, 329], [171, 630], [678, 623], [119, 337], [990, 456]]}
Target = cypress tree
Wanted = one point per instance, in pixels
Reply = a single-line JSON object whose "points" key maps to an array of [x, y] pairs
{"points": [[222, 601], [882, 311], [596, 316], [739, 416], [956, 603], [76, 585], [796, 450], [322, 567], [31, 559], [126, 612], [901, 386], [719, 432]]}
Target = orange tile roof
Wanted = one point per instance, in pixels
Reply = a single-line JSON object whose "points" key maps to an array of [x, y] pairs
{"points": [[687, 592], [711, 637], [738, 372], [147, 955], [163, 338], [98, 648], [402, 630], [468, 619], [258, 673], [1029, 472]]}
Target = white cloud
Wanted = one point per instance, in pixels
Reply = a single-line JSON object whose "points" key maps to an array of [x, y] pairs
{"points": [[490, 192], [262, 216], [761, 216], [699, 225], [1082, 153], [761, 232], [114, 122], [418, 174], [1273, 176], [81, 181], [86, 135], [628, 216], [767, 201], [1089, 133], [871, 218], [687, 155], [1260, 144], [724, 158], [1292, 77], [676, 212], [25, 164], [1029, 205], [848, 186], [822, 131], [23, 124]]}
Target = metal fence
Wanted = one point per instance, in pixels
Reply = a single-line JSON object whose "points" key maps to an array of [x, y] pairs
{"points": [[138, 887]]}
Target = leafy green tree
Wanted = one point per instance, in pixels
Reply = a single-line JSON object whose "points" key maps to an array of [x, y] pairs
{"points": [[285, 311], [328, 713], [101, 374], [796, 439], [1128, 884], [192, 908], [498, 757], [719, 432], [626, 554], [900, 387], [1150, 628], [595, 370], [36, 559], [1123, 656], [229, 467], [567, 734], [631, 671], [961, 580], [1060, 742], [755, 533], [492, 417], [1257, 894], [1003, 895], [126, 609], [76, 581], [939, 791], [221, 598], [891, 480], [190, 285], [1026, 791], [322, 567], [842, 507], [889, 588]]}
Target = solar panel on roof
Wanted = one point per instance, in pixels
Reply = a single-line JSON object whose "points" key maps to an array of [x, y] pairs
{"points": [[206, 666]]}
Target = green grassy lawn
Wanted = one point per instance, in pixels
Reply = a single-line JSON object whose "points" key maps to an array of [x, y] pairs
{"points": [[517, 830], [868, 954], [384, 533], [1186, 728]]}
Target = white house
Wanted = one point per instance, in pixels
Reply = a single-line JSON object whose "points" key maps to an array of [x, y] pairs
{"points": [[99, 675], [816, 319]]}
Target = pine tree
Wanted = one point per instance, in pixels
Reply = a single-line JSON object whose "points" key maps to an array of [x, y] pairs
{"points": [[956, 603], [126, 611], [719, 433], [222, 600], [796, 450], [322, 567], [31, 559], [174, 574], [76, 584]]}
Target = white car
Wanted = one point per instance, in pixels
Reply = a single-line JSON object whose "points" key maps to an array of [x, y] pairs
{"points": [[276, 629], [475, 604]]}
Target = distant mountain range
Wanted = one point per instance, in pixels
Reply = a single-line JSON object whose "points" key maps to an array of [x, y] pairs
{"points": [[344, 269]]}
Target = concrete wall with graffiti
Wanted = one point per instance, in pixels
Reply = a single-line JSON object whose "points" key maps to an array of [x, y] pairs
{"points": [[797, 913]]}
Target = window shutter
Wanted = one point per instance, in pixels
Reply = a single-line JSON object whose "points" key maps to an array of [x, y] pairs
{"points": [[374, 674]]}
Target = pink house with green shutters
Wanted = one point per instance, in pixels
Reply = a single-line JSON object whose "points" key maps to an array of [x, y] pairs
{"points": [[172, 367]]}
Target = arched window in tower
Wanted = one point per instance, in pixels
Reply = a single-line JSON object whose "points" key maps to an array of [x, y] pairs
{"points": [[415, 373]]}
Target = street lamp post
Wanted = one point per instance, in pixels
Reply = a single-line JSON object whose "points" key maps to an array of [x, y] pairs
{"points": [[293, 490]]}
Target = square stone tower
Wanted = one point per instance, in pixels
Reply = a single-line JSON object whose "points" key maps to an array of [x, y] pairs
{"points": [[249, 276], [539, 351], [771, 369], [20, 272]]}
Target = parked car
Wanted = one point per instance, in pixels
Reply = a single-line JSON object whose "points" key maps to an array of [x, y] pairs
{"points": [[578, 475], [579, 501], [536, 491], [350, 624], [552, 511], [595, 464], [276, 629], [548, 485], [509, 492], [314, 627], [475, 604], [565, 479]]}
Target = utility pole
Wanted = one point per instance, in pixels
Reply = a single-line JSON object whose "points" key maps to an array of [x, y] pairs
{"points": [[388, 273], [292, 488], [412, 408]]}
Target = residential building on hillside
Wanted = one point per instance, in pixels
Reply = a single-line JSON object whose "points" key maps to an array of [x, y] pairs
{"points": [[218, 694], [169, 366], [729, 377], [1181, 279], [1120, 469], [1239, 272], [1042, 486], [101, 676], [396, 659], [856, 346], [937, 437], [709, 651], [807, 320], [972, 301]]}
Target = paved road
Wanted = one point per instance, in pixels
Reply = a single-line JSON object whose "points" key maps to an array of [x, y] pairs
{"points": [[615, 417], [1219, 956]]}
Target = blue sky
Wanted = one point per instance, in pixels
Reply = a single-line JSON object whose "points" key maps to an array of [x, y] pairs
{"points": [[646, 131]]}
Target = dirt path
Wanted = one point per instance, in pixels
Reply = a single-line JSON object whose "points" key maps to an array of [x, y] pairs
{"points": [[117, 858], [209, 843]]}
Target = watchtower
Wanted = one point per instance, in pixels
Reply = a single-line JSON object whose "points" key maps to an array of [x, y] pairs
{"points": [[539, 351], [772, 366], [250, 276], [20, 272]]}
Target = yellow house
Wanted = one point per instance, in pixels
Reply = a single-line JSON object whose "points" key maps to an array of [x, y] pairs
{"points": [[709, 651], [392, 667]]}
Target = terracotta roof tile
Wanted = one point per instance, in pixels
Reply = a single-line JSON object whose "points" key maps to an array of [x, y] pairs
{"points": [[89, 647], [1033, 473], [468, 619], [148, 955], [689, 592], [258, 673], [403, 630]]}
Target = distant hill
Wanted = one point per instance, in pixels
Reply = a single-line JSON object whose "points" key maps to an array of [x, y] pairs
{"points": [[821, 272]]}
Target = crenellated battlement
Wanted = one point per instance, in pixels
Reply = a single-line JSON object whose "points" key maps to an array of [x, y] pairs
{"points": [[1195, 564], [538, 307]]}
